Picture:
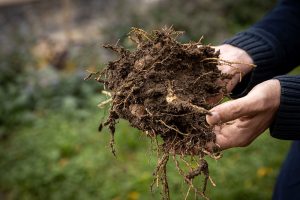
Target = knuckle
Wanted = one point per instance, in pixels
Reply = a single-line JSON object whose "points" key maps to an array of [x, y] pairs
{"points": [[234, 111]]}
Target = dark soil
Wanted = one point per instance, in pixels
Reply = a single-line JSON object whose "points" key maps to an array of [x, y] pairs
{"points": [[163, 88]]}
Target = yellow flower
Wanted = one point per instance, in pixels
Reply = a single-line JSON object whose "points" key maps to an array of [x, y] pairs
{"points": [[133, 195], [263, 171]]}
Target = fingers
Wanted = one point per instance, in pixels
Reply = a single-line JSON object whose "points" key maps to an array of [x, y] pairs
{"points": [[237, 63], [231, 110], [222, 138], [228, 136]]}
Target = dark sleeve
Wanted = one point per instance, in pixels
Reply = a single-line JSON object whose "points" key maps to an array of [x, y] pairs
{"points": [[286, 124], [272, 43]]}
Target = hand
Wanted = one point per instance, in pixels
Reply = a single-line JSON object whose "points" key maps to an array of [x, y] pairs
{"points": [[246, 118], [241, 65]]}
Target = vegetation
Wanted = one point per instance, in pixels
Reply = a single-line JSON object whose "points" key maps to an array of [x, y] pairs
{"points": [[63, 157]]}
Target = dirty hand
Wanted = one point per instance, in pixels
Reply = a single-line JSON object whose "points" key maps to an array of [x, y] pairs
{"points": [[245, 118], [241, 63]]}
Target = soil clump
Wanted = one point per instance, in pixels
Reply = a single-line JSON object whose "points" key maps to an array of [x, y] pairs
{"points": [[163, 87]]}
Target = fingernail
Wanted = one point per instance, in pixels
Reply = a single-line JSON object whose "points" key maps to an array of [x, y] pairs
{"points": [[213, 118]]}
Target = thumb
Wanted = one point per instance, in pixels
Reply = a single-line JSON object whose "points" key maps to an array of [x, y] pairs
{"points": [[230, 110]]}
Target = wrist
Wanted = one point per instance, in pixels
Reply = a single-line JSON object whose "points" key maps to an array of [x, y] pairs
{"points": [[274, 89]]}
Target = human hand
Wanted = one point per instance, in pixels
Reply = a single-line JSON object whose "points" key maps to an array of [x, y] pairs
{"points": [[235, 62], [245, 118]]}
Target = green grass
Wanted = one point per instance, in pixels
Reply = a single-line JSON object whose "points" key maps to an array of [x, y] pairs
{"points": [[62, 156]]}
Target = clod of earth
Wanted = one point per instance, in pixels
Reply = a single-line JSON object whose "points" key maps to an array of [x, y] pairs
{"points": [[162, 88]]}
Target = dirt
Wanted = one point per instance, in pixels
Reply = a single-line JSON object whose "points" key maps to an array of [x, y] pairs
{"points": [[164, 88]]}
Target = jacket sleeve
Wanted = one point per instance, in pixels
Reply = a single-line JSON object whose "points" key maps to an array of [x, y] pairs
{"points": [[272, 43], [286, 124]]}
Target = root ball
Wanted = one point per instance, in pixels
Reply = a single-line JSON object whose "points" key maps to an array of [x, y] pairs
{"points": [[161, 88]]}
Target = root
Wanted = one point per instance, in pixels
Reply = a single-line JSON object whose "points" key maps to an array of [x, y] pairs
{"points": [[170, 127], [187, 180], [161, 173], [112, 144], [90, 74], [188, 192], [106, 93], [173, 99], [205, 74], [136, 35], [103, 103], [230, 63], [211, 181], [212, 155], [203, 168]]}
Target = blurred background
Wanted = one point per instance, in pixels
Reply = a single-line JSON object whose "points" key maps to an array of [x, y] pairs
{"points": [[49, 144]]}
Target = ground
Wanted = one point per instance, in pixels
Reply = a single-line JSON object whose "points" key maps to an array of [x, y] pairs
{"points": [[64, 157]]}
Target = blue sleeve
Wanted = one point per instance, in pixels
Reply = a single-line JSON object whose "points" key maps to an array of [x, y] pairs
{"points": [[272, 43], [284, 23], [286, 123]]}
